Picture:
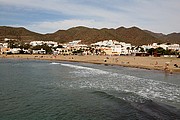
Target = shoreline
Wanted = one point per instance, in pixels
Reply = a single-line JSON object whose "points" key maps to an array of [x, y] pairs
{"points": [[150, 63]]}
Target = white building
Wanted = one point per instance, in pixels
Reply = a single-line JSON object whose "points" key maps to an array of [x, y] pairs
{"points": [[73, 43], [165, 46], [41, 51], [4, 45], [106, 43], [15, 50], [145, 47], [7, 39], [174, 47], [49, 43], [35, 43], [1, 45], [118, 48]]}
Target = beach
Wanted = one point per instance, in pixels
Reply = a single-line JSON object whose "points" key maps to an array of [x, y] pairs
{"points": [[151, 63]]}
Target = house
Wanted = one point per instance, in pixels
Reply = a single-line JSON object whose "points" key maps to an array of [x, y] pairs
{"points": [[174, 47], [15, 50], [107, 51], [50, 43], [114, 47], [117, 49], [166, 46], [35, 43], [5, 51], [41, 51], [63, 51]]}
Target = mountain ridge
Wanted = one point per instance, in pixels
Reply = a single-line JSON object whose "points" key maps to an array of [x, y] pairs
{"points": [[133, 35]]}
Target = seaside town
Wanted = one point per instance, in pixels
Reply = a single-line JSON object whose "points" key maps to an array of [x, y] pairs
{"points": [[157, 56], [106, 47], [89, 60]]}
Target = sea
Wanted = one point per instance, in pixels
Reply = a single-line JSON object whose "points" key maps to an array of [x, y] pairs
{"points": [[47, 90]]}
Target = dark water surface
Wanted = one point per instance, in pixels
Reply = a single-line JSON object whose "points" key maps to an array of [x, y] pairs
{"points": [[44, 90]]}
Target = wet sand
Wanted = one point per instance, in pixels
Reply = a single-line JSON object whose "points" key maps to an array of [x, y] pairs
{"points": [[152, 63]]}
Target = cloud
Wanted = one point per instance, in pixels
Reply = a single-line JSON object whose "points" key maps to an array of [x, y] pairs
{"points": [[63, 6], [45, 27], [155, 15]]}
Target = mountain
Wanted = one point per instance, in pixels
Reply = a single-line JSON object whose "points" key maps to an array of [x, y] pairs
{"points": [[87, 35], [172, 38], [19, 33], [169, 38], [132, 35], [157, 35]]}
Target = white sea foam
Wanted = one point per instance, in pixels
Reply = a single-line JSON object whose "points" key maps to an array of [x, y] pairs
{"points": [[147, 88], [54, 63], [81, 70], [100, 79], [150, 88]]}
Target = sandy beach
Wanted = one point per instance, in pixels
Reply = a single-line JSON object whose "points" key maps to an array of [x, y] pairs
{"points": [[152, 63]]}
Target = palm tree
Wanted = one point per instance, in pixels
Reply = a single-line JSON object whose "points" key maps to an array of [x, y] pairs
{"points": [[137, 49], [128, 48], [132, 48]]}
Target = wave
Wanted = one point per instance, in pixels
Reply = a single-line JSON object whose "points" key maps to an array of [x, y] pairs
{"points": [[54, 63], [147, 88], [92, 78], [81, 70]]}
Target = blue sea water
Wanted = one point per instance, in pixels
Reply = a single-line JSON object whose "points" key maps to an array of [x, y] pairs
{"points": [[45, 90]]}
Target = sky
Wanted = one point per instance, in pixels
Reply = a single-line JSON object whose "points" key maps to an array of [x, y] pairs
{"points": [[48, 16]]}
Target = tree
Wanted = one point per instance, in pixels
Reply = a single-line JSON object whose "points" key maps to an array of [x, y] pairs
{"points": [[132, 48], [78, 51], [25, 46], [137, 48], [160, 50], [141, 50], [37, 47], [11, 44], [45, 47], [59, 46], [128, 48], [151, 51]]}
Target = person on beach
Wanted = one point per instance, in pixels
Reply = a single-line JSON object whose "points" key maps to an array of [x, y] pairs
{"points": [[166, 68]]}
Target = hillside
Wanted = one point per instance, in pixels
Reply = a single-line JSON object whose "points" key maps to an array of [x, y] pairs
{"points": [[131, 35], [19, 33], [157, 35], [172, 38]]}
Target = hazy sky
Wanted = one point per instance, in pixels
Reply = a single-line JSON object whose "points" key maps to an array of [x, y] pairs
{"points": [[46, 16]]}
